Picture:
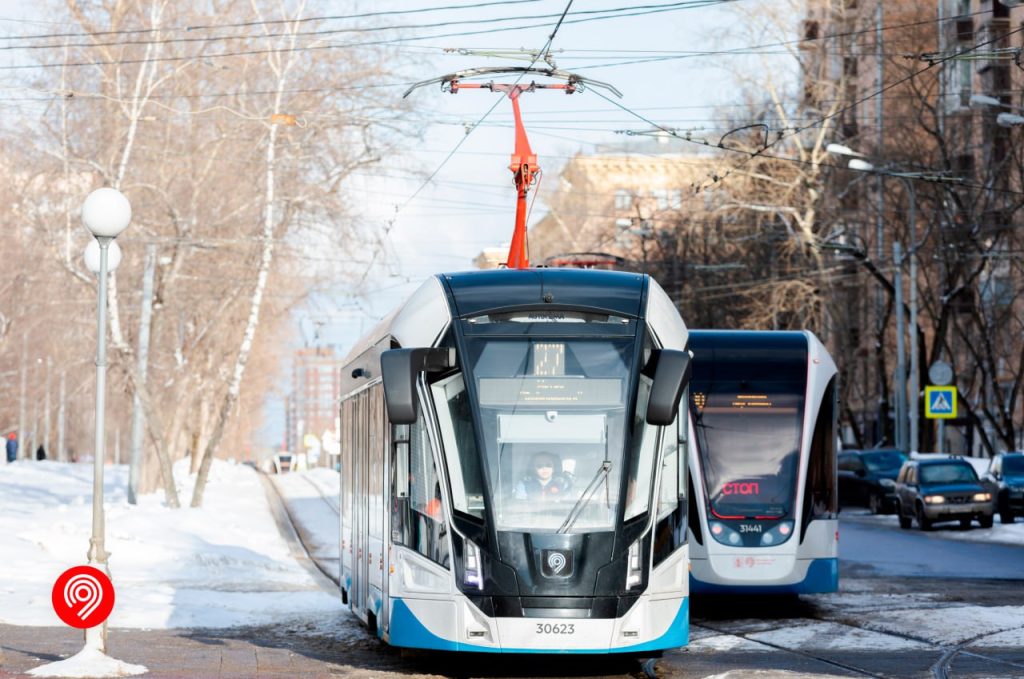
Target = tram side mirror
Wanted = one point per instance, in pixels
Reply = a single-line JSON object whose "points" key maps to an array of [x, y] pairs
{"points": [[400, 368], [671, 375]]}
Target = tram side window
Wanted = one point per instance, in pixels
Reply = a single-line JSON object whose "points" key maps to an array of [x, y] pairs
{"points": [[463, 460], [821, 499], [641, 463], [374, 416], [346, 463], [424, 519], [670, 533]]}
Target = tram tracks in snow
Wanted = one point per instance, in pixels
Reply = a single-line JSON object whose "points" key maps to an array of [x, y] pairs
{"points": [[798, 652], [331, 502], [942, 668], [299, 541]]}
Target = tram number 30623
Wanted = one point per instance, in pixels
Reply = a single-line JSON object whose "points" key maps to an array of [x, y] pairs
{"points": [[556, 628]]}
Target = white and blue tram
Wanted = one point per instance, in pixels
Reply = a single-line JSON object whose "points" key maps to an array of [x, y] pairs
{"points": [[479, 383], [764, 511]]}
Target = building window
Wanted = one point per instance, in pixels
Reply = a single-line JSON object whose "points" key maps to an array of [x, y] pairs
{"points": [[623, 199], [675, 199], [811, 30], [963, 165], [660, 197], [960, 73]]}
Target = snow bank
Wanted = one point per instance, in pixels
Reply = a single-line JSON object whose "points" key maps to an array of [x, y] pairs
{"points": [[222, 565]]}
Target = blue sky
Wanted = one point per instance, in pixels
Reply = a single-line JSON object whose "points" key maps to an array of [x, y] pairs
{"points": [[470, 202]]}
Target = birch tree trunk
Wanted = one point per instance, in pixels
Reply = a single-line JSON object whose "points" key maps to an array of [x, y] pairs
{"points": [[256, 301], [145, 83]]}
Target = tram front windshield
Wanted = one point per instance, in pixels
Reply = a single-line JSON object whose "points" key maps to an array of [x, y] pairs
{"points": [[748, 433], [553, 413]]}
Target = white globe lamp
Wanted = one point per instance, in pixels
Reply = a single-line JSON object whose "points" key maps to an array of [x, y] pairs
{"points": [[92, 256], [106, 213]]}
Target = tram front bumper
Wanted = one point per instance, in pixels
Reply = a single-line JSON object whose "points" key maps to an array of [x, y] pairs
{"points": [[652, 624]]}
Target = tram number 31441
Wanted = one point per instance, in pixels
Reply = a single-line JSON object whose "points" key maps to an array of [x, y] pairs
{"points": [[556, 628]]}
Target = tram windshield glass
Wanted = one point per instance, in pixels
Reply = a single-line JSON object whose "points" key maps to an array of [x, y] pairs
{"points": [[553, 413], [748, 433]]}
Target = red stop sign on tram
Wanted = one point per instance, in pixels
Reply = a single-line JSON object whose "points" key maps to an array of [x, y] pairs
{"points": [[83, 597]]}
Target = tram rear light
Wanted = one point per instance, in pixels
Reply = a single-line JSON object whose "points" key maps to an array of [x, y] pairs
{"points": [[634, 570], [784, 529], [471, 573]]}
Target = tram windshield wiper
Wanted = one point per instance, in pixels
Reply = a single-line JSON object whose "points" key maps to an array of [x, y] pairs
{"points": [[588, 493]]}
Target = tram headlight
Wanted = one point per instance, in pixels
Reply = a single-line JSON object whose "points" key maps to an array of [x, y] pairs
{"points": [[471, 574], [934, 499], [725, 535], [777, 534], [634, 569]]}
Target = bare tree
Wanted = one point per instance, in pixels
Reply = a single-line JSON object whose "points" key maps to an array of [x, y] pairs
{"points": [[233, 164]]}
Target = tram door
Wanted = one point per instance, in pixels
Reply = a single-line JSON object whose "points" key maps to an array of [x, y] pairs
{"points": [[360, 508], [383, 452]]}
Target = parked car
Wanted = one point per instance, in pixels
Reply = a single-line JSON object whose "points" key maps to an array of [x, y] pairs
{"points": [[1005, 480], [938, 489], [868, 478]]}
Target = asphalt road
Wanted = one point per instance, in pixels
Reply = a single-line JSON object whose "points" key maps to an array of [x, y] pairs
{"points": [[868, 548]]}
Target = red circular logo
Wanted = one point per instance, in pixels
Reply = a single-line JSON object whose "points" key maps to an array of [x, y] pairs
{"points": [[83, 597]]}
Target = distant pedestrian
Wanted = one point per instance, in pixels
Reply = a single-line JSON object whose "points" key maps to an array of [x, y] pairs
{"points": [[12, 447], [40, 452]]}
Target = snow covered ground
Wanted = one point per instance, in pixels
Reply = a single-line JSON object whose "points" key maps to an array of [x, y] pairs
{"points": [[222, 565]]}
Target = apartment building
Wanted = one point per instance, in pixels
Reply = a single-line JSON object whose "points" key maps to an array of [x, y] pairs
{"points": [[931, 91]]}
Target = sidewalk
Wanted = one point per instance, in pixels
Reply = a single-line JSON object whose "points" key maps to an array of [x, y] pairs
{"points": [[321, 642], [338, 650]]}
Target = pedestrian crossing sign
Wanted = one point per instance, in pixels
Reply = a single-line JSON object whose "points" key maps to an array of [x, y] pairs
{"points": [[940, 402]]}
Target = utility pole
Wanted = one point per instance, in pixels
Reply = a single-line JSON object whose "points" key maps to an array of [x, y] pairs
{"points": [[138, 423], [880, 205], [901, 356], [21, 405], [62, 451]]}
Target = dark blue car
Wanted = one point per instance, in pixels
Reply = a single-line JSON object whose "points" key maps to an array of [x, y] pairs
{"points": [[1005, 480], [868, 478]]}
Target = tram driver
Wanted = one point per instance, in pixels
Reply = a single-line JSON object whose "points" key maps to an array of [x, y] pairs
{"points": [[542, 481]]}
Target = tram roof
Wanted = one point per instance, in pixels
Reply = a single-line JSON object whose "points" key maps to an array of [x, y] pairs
{"points": [[476, 292]]}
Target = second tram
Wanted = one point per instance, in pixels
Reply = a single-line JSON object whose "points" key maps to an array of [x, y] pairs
{"points": [[764, 510], [513, 477]]}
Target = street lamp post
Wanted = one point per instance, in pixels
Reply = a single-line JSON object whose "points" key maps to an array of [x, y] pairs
{"points": [[910, 413], [1003, 119], [106, 213]]}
